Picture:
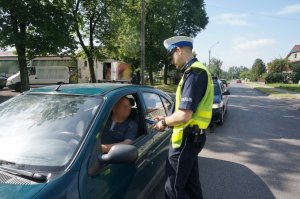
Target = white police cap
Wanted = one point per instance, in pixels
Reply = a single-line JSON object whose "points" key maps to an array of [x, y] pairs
{"points": [[177, 41]]}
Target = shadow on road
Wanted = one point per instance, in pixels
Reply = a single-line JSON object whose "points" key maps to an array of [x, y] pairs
{"points": [[6, 94], [224, 179], [262, 133], [4, 98]]}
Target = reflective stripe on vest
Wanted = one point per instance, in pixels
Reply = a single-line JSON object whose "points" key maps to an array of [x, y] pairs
{"points": [[203, 113]]}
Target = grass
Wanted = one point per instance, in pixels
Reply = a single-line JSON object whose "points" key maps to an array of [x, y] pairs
{"points": [[275, 93], [167, 88], [288, 87]]}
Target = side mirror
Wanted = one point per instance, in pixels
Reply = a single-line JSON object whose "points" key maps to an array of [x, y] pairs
{"points": [[226, 93], [120, 153]]}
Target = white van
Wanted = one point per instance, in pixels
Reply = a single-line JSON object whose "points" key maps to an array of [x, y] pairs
{"points": [[40, 75]]}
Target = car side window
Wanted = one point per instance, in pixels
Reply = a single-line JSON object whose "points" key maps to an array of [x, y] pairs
{"points": [[222, 87], [154, 105], [167, 104]]}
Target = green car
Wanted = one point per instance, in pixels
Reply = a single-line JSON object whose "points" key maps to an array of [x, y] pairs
{"points": [[50, 142]]}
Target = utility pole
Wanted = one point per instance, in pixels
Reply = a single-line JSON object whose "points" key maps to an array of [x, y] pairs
{"points": [[209, 59], [209, 52], [142, 41]]}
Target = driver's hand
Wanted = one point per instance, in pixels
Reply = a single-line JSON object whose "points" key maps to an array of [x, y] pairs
{"points": [[104, 148]]}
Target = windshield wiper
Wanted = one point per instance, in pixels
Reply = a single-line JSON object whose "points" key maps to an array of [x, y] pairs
{"points": [[25, 174]]}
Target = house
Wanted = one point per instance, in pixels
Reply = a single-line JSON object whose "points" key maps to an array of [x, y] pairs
{"points": [[294, 54]]}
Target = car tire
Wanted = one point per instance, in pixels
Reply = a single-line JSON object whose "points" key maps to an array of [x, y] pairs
{"points": [[211, 128], [221, 118]]}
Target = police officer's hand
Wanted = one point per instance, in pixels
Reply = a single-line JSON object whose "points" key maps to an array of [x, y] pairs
{"points": [[159, 125]]}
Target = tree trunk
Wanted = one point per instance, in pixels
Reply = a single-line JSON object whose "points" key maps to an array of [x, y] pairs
{"points": [[166, 73], [151, 75], [23, 68], [91, 67], [19, 29]]}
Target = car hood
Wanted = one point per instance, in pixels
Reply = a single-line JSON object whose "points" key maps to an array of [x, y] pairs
{"points": [[217, 99], [20, 190]]}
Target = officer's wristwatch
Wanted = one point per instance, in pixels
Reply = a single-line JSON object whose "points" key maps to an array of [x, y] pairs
{"points": [[163, 122]]}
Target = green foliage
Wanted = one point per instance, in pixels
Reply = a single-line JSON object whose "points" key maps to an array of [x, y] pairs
{"points": [[293, 77], [187, 17], [278, 65], [43, 27], [235, 72], [215, 67], [35, 27], [94, 26], [274, 78], [245, 74], [264, 75], [295, 66], [258, 69]]}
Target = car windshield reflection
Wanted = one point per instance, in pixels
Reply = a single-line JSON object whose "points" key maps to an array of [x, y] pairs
{"points": [[44, 130]]}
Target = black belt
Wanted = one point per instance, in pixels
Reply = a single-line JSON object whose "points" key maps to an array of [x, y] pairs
{"points": [[195, 129]]}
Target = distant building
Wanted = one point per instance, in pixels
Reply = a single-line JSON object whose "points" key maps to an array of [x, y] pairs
{"points": [[294, 54]]}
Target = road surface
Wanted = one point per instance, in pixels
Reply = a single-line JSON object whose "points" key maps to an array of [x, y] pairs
{"points": [[256, 153]]}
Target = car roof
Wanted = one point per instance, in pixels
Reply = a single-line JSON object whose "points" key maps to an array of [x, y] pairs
{"points": [[84, 89]]}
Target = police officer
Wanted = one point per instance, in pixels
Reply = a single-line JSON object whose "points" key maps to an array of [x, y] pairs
{"points": [[192, 115]]}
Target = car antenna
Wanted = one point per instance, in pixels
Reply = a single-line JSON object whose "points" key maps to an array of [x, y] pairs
{"points": [[63, 82]]}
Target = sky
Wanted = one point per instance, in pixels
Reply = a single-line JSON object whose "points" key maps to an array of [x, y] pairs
{"points": [[240, 31]]}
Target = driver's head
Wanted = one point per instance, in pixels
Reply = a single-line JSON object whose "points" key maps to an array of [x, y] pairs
{"points": [[122, 108]]}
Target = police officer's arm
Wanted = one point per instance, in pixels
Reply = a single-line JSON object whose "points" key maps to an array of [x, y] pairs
{"points": [[193, 91]]}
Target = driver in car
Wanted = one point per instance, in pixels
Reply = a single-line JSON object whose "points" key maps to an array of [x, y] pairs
{"points": [[121, 129]]}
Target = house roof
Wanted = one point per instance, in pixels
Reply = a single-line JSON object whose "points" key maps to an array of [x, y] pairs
{"points": [[295, 49]]}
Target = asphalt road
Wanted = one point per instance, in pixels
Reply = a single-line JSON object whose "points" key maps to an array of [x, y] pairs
{"points": [[6, 93], [256, 153]]}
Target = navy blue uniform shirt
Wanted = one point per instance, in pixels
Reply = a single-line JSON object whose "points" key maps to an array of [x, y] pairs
{"points": [[193, 88], [118, 132]]}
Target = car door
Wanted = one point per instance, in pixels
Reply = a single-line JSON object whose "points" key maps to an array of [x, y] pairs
{"points": [[117, 181], [157, 104], [224, 97]]}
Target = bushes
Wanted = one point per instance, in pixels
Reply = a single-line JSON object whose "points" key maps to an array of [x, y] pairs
{"points": [[274, 78], [293, 77]]}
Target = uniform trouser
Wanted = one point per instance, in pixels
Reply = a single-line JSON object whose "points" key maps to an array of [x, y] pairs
{"points": [[182, 170]]}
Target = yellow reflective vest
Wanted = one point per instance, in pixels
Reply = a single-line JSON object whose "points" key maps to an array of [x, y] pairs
{"points": [[203, 113]]}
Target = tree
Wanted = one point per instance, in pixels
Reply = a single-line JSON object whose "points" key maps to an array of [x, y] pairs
{"points": [[34, 27], [188, 17], [278, 65], [94, 26], [215, 67], [295, 66], [258, 69]]}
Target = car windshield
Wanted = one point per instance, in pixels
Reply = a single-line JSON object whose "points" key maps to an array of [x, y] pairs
{"points": [[43, 130], [217, 89]]}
